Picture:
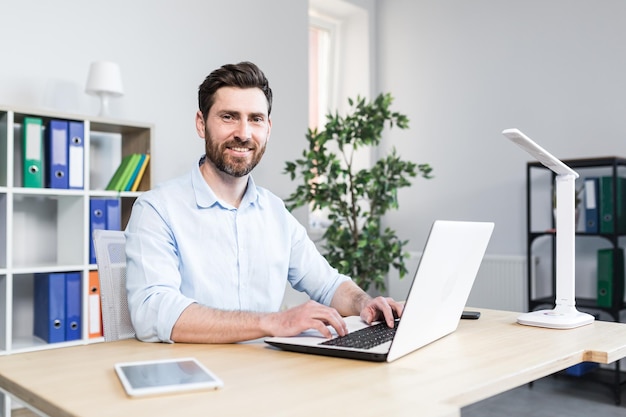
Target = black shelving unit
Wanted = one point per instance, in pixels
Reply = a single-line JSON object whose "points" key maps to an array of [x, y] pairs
{"points": [[605, 166]]}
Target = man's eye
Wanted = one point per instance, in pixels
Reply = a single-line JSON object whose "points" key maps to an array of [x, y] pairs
{"points": [[227, 117]]}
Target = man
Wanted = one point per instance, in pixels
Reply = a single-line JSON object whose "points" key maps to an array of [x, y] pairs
{"points": [[209, 253]]}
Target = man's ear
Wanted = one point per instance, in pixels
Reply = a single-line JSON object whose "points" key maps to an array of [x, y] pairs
{"points": [[269, 128], [200, 125]]}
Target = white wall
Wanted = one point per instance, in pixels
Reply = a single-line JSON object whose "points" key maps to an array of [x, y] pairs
{"points": [[465, 70], [462, 71], [165, 49]]}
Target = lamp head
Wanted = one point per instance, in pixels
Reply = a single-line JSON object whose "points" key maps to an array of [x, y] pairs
{"points": [[543, 156], [104, 80]]}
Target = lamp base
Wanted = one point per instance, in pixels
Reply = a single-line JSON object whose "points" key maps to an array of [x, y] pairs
{"points": [[554, 319]]}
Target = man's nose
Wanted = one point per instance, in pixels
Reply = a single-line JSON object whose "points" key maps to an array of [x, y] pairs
{"points": [[244, 130]]}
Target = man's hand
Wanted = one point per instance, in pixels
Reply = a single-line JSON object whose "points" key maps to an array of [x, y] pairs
{"points": [[351, 300], [310, 315], [382, 308]]}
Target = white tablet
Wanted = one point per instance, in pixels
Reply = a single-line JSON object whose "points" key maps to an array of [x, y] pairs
{"points": [[165, 376]]}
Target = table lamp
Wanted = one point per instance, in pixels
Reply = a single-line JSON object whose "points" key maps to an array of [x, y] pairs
{"points": [[564, 315], [104, 81]]}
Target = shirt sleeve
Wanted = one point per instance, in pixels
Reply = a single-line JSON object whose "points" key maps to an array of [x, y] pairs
{"points": [[153, 279], [309, 271]]}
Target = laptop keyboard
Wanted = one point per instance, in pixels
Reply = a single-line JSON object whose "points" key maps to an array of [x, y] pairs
{"points": [[365, 338]]}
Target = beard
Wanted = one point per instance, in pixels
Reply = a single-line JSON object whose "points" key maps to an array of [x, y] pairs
{"points": [[234, 166]]}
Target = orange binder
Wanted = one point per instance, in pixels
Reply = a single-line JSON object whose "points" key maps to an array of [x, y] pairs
{"points": [[95, 311]]}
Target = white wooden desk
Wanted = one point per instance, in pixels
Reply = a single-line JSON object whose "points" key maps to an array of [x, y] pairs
{"points": [[482, 358]]}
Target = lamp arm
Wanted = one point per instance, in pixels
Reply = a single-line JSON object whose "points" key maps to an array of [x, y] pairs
{"points": [[565, 242]]}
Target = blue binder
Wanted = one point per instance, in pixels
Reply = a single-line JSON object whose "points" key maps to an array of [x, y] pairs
{"points": [[76, 144], [97, 220], [114, 214], [591, 199], [49, 314], [73, 309], [56, 154]]}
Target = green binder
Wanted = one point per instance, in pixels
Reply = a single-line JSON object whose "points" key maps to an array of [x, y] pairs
{"points": [[610, 276], [608, 219], [33, 152]]}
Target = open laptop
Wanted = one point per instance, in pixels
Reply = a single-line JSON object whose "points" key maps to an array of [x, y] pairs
{"points": [[452, 255]]}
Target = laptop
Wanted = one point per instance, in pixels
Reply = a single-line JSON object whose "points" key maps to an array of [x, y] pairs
{"points": [[452, 255]]}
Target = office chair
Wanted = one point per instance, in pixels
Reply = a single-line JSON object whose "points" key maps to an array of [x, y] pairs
{"points": [[111, 260]]}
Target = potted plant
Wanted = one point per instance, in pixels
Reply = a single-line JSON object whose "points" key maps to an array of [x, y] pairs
{"points": [[354, 241]]}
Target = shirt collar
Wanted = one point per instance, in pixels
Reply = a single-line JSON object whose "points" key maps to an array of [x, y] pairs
{"points": [[205, 197]]}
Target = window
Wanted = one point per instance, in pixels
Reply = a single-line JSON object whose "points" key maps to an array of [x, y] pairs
{"points": [[338, 68], [339, 56], [322, 39]]}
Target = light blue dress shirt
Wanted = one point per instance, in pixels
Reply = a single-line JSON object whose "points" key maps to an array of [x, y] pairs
{"points": [[184, 246]]}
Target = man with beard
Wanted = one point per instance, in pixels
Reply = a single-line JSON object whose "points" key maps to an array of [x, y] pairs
{"points": [[209, 254]]}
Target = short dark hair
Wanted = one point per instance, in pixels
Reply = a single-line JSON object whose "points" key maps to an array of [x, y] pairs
{"points": [[243, 75]]}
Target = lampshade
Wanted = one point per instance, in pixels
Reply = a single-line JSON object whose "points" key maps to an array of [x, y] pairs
{"points": [[104, 80], [104, 77]]}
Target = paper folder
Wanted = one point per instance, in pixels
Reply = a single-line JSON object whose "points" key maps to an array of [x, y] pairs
{"points": [[128, 171], [56, 154], [49, 314], [133, 177], [93, 306], [32, 136], [73, 306], [76, 141], [117, 180], [142, 170]]}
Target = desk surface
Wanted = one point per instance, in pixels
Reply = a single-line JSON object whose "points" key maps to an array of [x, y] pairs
{"points": [[482, 358]]}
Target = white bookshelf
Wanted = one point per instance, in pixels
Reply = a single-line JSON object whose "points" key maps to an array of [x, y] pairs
{"points": [[47, 230]]}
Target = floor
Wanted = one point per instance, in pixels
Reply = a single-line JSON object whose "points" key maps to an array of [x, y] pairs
{"points": [[553, 396]]}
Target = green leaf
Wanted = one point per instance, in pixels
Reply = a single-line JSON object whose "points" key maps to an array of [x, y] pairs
{"points": [[354, 242]]}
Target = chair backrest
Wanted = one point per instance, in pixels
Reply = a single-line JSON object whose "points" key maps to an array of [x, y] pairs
{"points": [[111, 259]]}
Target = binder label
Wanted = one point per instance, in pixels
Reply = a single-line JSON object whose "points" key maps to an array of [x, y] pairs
{"points": [[33, 147]]}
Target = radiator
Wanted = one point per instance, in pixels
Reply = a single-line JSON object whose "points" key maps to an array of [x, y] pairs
{"points": [[501, 282]]}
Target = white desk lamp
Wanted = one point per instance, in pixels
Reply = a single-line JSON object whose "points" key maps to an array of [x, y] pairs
{"points": [[105, 81], [564, 315]]}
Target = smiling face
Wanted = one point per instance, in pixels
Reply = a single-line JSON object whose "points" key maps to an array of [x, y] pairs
{"points": [[236, 130]]}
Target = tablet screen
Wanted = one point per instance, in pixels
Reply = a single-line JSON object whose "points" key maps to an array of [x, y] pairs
{"points": [[163, 376]]}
